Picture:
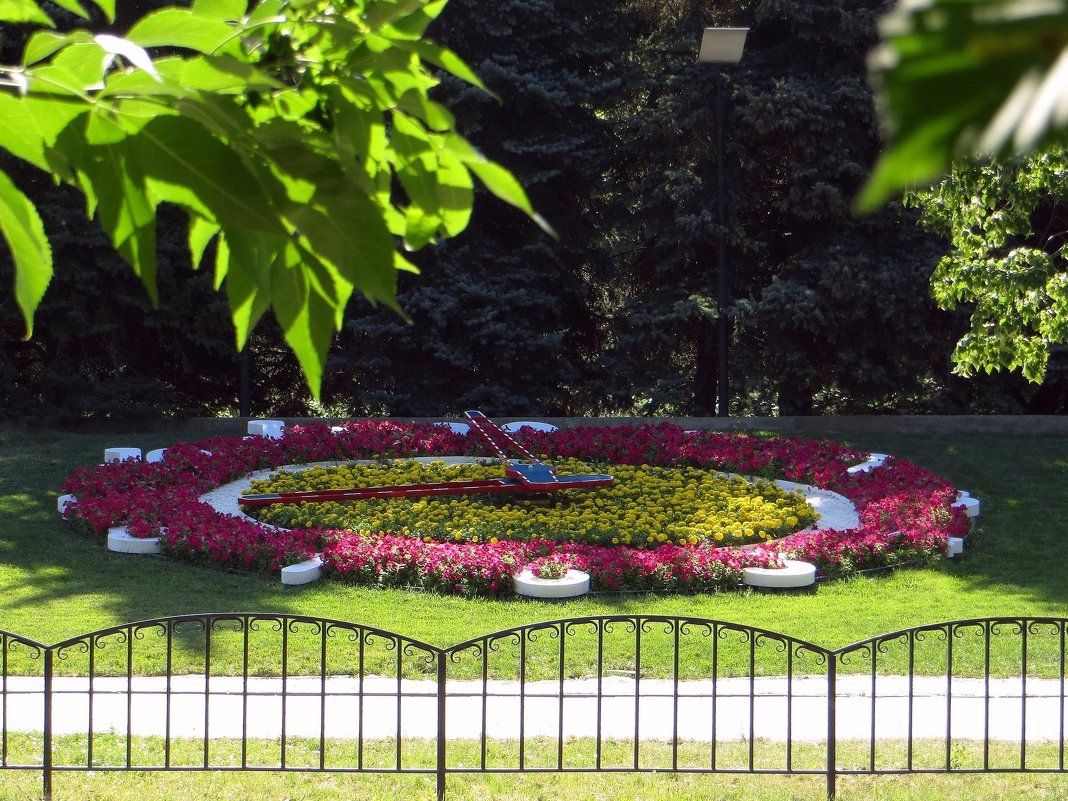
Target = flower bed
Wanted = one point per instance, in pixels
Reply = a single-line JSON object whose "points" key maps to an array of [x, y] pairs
{"points": [[646, 506], [905, 511]]}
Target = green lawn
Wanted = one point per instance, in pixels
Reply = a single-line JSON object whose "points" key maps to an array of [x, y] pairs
{"points": [[55, 584]]}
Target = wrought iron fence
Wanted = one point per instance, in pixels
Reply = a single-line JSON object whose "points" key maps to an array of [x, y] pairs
{"points": [[264, 692]]}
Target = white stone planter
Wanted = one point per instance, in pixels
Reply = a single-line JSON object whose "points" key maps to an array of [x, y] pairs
{"points": [[121, 454], [63, 501], [792, 574], [574, 583], [120, 541], [954, 546], [303, 572], [971, 505], [272, 429]]}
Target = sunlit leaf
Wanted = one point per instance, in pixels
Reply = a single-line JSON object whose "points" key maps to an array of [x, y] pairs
{"points": [[179, 27], [114, 187], [224, 10], [24, 232], [24, 11]]}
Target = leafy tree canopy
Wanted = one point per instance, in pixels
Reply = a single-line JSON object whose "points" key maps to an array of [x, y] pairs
{"points": [[962, 80], [1008, 225], [959, 78], [297, 135]]}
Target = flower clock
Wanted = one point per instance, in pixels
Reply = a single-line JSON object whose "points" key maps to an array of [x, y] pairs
{"points": [[677, 517]]}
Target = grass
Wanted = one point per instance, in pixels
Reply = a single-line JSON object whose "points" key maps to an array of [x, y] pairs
{"points": [[540, 782]]}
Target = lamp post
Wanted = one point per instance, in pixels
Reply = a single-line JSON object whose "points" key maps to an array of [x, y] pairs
{"points": [[721, 46]]}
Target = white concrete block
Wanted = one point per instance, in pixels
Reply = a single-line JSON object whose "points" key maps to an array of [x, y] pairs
{"points": [[792, 574], [272, 429], [121, 454], [156, 455], [303, 572], [574, 583], [120, 541], [63, 501], [971, 506], [954, 546]]}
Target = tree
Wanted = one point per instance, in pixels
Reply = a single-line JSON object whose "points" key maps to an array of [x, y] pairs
{"points": [[983, 79], [817, 294], [506, 318], [297, 135], [1008, 225]]}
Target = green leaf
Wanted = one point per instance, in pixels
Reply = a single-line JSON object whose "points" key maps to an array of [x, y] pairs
{"points": [[186, 165], [179, 27], [306, 318], [225, 75], [29, 126], [24, 11], [414, 25], [24, 232], [447, 60], [455, 195], [495, 178], [114, 187], [385, 12], [345, 229], [201, 232], [244, 260], [224, 10], [44, 43], [416, 163], [986, 77]]}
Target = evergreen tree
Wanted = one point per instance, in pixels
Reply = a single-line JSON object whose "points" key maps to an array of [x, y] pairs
{"points": [[824, 306], [506, 318]]}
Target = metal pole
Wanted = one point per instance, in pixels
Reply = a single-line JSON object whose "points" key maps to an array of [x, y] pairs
{"points": [[46, 734], [723, 394], [832, 729], [441, 749]]}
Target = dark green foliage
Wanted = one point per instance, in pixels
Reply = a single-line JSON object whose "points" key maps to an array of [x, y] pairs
{"points": [[829, 313], [505, 318], [100, 348]]}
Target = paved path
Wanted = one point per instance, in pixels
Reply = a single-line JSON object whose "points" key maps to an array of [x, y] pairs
{"points": [[660, 715]]}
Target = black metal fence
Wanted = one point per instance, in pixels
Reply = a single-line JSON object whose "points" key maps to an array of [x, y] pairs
{"points": [[263, 692]]}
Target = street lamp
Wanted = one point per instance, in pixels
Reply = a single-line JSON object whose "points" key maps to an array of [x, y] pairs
{"points": [[721, 46]]}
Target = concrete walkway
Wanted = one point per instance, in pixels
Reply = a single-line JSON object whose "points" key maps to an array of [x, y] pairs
{"points": [[800, 709]]}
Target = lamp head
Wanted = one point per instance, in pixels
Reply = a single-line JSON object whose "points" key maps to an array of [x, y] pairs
{"points": [[722, 45]]}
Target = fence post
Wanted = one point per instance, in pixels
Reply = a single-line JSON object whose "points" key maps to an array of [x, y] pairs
{"points": [[46, 756], [440, 766], [832, 695]]}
